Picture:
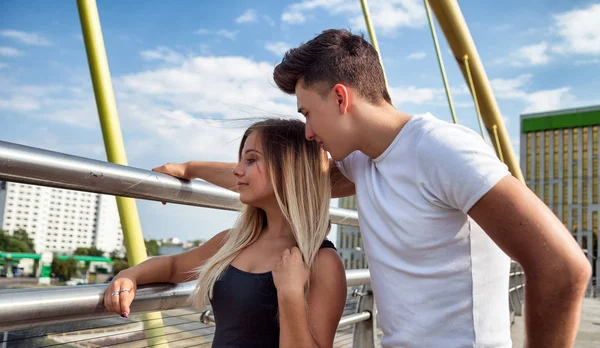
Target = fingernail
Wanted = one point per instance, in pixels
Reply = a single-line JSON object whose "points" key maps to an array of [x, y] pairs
{"points": [[125, 315]]}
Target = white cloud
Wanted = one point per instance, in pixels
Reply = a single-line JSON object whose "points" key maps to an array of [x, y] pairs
{"points": [[26, 38], [10, 52], [416, 56], [164, 54], [209, 87], [278, 48], [587, 61], [249, 16], [49, 102], [550, 100], [387, 15], [536, 54], [529, 55], [510, 88], [542, 100], [411, 94], [293, 18], [224, 33], [579, 30], [19, 103]]}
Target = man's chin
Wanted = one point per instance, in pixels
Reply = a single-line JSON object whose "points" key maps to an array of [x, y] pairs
{"points": [[338, 156]]}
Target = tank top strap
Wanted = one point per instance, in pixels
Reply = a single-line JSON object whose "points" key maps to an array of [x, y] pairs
{"points": [[328, 244]]}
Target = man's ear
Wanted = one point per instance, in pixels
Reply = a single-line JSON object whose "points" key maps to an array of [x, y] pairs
{"points": [[342, 95]]}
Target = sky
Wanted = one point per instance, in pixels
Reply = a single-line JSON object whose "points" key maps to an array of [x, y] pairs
{"points": [[185, 74]]}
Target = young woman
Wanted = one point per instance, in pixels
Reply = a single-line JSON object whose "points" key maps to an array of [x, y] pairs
{"points": [[273, 280]]}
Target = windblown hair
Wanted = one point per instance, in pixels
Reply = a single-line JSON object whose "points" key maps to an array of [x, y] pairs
{"points": [[332, 57], [299, 172]]}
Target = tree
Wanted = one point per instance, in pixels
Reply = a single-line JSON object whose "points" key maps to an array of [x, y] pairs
{"points": [[119, 265], [151, 247], [198, 242], [22, 236], [19, 242], [117, 254], [93, 251], [64, 269]]}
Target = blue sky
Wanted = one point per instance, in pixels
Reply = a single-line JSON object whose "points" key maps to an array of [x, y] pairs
{"points": [[184, 71]]}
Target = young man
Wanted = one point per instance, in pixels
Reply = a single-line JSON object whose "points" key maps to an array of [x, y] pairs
{"points": [[439, 213]]}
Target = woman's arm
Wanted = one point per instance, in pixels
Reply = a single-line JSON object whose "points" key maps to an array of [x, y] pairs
{"points": [[162, 269], [310, 323], [221, 174]]}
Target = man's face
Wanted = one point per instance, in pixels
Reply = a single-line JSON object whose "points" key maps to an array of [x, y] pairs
{"points": [[325, 122]]}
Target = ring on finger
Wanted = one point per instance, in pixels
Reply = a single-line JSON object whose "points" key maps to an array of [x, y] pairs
{"points": [[124, 290], [114, 293]]}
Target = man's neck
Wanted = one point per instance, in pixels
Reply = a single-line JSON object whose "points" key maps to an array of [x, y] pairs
{"points": [[379, 126]]}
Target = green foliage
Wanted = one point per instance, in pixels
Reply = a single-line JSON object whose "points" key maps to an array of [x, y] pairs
{"points": [[93, 251], [151, 247], [64, 269], [119, 265], [19, 242]]}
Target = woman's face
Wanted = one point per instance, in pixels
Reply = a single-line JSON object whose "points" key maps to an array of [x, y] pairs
{"points": [[254, 184]]}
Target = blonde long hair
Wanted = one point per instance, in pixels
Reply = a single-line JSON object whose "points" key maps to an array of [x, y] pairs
{"points": [[299, 173]]}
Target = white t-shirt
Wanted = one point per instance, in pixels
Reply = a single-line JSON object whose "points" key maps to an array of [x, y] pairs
{"points": [[438, 279]]}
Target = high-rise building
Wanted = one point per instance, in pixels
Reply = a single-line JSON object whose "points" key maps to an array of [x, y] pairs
{"points": [[60, 220], [349, 241], [559, 159]]}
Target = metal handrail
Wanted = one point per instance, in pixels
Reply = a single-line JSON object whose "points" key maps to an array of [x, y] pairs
{"points": [[30, 165], [27, 308]]}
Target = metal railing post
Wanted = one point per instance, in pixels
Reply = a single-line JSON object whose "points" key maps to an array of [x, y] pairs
{"points": [[365, 332]]}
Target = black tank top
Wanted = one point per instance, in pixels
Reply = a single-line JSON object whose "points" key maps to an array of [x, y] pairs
{"points": [[246, 310]]}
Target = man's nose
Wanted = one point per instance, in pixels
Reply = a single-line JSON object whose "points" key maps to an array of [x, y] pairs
{"points": [[308, 133]]}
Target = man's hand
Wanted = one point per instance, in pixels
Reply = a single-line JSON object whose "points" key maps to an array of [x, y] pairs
{"points": [[290, 274]]}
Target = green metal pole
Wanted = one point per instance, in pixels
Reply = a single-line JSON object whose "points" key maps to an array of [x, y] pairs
{"points": [[109, 121], [440, 61], [474, 94], [371, 30], [115, 150]]}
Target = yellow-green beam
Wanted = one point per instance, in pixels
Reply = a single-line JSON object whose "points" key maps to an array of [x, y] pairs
{"points": [[371, 30], [109, 121], [115, 151], [454, 27]]}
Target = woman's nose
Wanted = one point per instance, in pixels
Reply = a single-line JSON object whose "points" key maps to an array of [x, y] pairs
{"points": [[237, 171]]}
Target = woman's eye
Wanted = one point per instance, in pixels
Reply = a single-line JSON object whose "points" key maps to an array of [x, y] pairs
{"points": [[250, 160]]}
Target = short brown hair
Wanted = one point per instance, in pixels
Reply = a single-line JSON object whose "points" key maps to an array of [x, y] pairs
{"points": [[334, 56]]}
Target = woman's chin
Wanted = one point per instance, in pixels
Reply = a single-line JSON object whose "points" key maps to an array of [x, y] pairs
{"points": [[246, 200]]}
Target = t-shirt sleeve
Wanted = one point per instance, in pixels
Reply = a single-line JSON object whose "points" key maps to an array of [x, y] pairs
{"points": [[347, 165], [457, 166]]}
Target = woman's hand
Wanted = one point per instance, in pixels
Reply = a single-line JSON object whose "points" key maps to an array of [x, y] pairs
{"points": [[174, 169], [177, 170], [119, 294], [290, 274]]}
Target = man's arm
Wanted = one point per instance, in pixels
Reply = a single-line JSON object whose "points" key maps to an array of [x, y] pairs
{"points": [[556, 269], [341, 186], [221, 174]]}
